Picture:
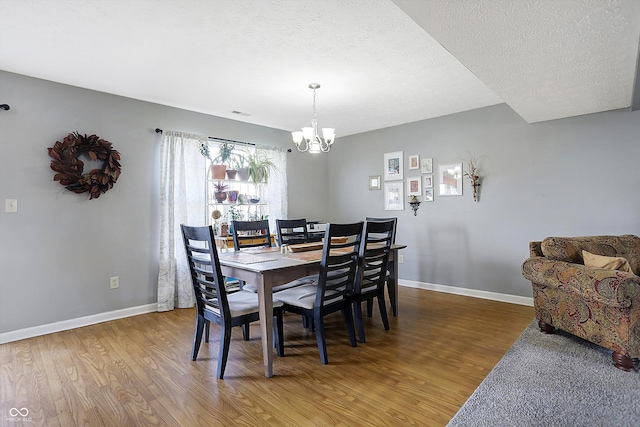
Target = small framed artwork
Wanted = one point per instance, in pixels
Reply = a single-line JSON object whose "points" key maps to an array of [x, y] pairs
{"points": [[427, 181], [393, 166], [428, 194], [426, 166], [414, 186], [393, 196], [414, 162], [450, 179], [374, 182]]}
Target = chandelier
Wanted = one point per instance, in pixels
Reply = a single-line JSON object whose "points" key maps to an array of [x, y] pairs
{"points": [[308, 139]]}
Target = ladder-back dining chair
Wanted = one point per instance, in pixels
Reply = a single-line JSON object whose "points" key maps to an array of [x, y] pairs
{"points": [[214, 304], [292, 231], [338, 272], [374, 257], [392, 295], [251, 234]]}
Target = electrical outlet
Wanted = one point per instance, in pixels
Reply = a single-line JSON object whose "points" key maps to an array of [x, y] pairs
{"points": [[113, 282], [11, 205], [400, 259]]}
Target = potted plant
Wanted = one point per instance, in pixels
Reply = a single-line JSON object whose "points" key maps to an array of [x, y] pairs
{"points": [[243, 166], [232, 196], [260, 166], [219, 192], [217, 171], [225, 158]]}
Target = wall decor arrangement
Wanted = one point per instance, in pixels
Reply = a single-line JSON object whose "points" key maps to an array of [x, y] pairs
{"points": [[414, 162], [394, 196], [70, 169], [426, 166], [393, 169], [374, 182], [450, 179], [414, 186], [428, 194]]}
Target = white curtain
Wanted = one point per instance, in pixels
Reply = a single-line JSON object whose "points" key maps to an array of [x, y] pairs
{"points": [[182, 201], [277, 185]]}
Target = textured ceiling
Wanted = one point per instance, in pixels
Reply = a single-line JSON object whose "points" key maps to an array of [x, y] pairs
{"points": [[380, 62]]}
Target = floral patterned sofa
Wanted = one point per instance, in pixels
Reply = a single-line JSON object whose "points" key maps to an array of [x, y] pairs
{"points": [[601, 305]]}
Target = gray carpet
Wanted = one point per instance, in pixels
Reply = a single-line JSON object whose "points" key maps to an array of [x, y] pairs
{"points": [[554, 380]]}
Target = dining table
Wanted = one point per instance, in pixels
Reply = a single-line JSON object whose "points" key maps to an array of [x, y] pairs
{"points": [[267, 267]]}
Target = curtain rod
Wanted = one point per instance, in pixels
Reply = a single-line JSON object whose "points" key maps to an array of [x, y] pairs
{"points": [[158, 130], [215, 138]]}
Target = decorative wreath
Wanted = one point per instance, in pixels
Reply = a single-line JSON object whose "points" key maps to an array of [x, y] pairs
{"points": [[69, 167]]}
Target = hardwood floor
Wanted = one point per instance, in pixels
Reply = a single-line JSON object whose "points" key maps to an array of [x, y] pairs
{"points": [[137, 371]]}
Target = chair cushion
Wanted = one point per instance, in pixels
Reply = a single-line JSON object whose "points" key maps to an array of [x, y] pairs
{"points": [[302, 296], [243, 302], [601, 261], [307, 280]]}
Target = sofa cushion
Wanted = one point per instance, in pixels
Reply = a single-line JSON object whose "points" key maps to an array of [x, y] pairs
{"points": [[608, 262], [569, 249]]}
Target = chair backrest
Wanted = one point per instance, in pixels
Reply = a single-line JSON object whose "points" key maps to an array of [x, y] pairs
{"points": [[292, 231], [339, 264], [206, 276], [395, 224], [374, 254], [250, 234]]}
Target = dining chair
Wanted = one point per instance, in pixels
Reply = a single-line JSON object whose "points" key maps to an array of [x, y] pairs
{"points": [[392, 296], [395, 224], [338, 272], [214, 304], [372, 274], [292, 231], [250, 234]]}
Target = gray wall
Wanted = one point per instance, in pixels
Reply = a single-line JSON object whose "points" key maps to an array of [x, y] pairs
{"points": [[576, 176], [59, 250]]}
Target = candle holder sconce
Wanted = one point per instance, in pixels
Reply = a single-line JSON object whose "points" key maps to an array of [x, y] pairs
{"points": [[415, 204], [473, 173]]}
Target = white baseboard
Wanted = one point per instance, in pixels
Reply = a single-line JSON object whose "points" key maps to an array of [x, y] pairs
{"points": [[76, 323], [514, 299]]}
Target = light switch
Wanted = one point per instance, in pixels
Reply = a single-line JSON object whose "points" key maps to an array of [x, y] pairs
{"points": [[11, 205]]}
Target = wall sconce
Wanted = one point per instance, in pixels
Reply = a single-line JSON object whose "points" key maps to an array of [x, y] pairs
{"points": [[473, 173], [415, 204]]}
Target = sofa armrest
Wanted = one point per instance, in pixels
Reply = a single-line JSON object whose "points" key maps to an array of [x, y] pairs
{"points": [[612, 287]]}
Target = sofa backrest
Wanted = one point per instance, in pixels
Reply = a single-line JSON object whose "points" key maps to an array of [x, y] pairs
{"points": [[569, 249]]}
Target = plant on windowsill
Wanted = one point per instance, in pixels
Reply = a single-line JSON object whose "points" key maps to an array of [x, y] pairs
{"points": [[219, 192], [242, 166], [227, 157], [260, 166]]}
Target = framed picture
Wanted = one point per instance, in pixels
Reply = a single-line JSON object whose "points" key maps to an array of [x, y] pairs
{"points": [[393, 196], [374, 182], [426, 166], [427, 181], [393, 166], [414, 186], [450, 179], [428, 194], [414, 162]]}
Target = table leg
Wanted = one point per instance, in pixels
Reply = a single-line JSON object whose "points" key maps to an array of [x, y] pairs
{"points": [[265, 301], [392, 283]]}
